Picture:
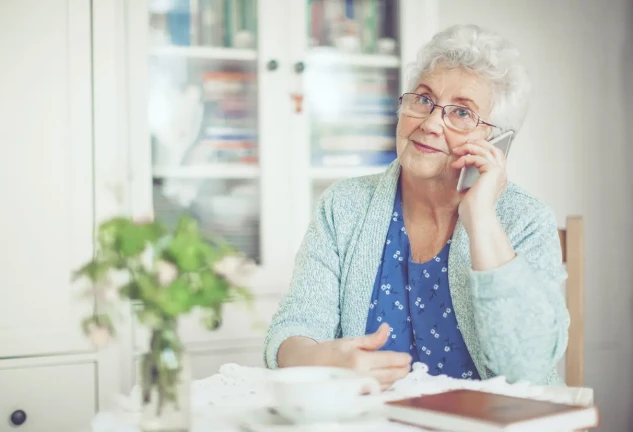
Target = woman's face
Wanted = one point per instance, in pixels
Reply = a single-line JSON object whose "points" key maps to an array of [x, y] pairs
{"points": [[443, 86]]}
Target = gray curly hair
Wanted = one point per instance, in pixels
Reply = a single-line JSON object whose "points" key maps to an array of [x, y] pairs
{"points": [[487, 55]]}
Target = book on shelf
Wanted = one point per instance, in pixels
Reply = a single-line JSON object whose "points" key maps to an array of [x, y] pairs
{"points": [[229, 127], [476, 411], [214, 23], [361, 128], [366, 21]]}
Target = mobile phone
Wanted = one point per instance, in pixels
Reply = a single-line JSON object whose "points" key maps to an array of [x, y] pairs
{"points": [[469, 174]]}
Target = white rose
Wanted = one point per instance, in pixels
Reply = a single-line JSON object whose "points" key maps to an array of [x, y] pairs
{"points": [[147, 258], [167, 272]]}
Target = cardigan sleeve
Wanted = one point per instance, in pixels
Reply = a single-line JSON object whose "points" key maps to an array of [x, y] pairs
{"points": [[311, 306], [520, 311]]}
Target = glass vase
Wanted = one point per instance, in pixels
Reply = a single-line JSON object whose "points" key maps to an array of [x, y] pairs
{"points": [[165, 378]]}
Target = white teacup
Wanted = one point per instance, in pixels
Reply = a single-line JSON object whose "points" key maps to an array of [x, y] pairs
{"points": [[313, 394]]}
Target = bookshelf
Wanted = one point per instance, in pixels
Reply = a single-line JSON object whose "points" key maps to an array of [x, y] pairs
{"points": [[330, 57], [247, 110], [326, 175], [208, 53], [216, 171]]}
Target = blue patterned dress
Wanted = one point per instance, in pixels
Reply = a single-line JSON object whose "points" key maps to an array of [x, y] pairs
{"points": [[414, 299]]}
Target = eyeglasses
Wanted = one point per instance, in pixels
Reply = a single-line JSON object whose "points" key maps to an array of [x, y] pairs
{"points": [[454, 116]]}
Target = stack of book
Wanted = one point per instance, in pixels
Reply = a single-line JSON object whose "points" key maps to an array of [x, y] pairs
{"points": [[362, 130], [215, 23], [366, 21], [477, 411], [229, 129]]}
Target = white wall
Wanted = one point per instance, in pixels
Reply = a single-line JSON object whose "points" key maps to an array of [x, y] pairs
{"points": [[575, 153]]}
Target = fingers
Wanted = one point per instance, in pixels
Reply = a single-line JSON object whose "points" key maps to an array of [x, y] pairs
{"points": [[478, 161], [383, 359], [374, 341], [481, 148], [387, 376], [474, 149]]}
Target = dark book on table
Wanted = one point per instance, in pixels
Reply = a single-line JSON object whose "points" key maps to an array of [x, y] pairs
{"points": [[475, 411]]}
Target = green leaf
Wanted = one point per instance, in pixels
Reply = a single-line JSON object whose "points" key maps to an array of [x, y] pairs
{"points": [[93, 270], [187, 226], [176, 298], [150, 318], [184, 252], [147, 286], [127, 238], [108, 232], [214, 290], [131, 240], [131, 290], [213, 318]]}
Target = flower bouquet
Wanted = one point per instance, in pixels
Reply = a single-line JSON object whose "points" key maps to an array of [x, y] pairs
{"points": [[166, 275]]}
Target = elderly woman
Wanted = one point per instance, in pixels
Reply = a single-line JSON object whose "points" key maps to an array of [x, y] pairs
{"points": [[400, 267]]}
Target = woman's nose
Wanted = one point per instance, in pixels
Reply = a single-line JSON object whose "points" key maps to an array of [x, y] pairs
{"points": [[433, 123]]}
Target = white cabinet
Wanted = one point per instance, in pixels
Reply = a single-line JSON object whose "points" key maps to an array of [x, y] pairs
{"points": [[244, 111], [47, 398], [46, 122], [238, 111], [46, 165]]}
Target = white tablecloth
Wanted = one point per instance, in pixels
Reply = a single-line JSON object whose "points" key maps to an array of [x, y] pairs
{"points": [[236, 395]]}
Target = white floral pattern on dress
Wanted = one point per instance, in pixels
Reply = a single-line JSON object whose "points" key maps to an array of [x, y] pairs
{"points": [[415, 300]]}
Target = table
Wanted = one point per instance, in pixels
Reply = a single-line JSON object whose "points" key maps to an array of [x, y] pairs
{"points": [[222, 402]]}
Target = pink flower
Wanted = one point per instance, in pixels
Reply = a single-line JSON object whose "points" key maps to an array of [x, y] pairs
{"points": [[167, 272], [236, 269], [107, 292], [99, 336]]}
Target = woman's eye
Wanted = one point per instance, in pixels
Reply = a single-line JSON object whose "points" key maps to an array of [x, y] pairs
{"points": [[462, 112], [424, 100]]}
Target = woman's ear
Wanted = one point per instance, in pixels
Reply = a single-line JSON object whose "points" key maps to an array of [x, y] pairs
{"points": [[487, 132]]}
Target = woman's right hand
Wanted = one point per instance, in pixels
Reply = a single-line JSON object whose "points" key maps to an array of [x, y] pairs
{"points": [[357, 353]]}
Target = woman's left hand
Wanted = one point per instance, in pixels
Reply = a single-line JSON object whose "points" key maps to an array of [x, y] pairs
{"points": [[481, 198]]}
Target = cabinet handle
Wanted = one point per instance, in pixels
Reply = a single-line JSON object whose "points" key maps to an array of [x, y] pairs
{"points": [[299, 67], [272, 65], [18, 417]]}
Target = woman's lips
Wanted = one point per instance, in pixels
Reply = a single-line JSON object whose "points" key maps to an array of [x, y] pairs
{"points": [[424, 148]]}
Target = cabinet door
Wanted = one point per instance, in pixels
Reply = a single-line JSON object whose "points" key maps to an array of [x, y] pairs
{"points": [[354, 53], [208, 134], [47, 398], [46, 223]]}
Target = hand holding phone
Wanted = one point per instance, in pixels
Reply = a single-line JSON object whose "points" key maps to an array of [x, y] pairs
{"points": [[469, 174]]}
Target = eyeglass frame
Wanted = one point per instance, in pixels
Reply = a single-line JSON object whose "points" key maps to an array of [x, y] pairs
{"points": [[434, 105]]}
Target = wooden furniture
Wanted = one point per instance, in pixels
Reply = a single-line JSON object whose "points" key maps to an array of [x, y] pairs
{"points": [[572, 245]]}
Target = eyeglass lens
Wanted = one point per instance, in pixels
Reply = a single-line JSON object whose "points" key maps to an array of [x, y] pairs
{"points": [[458, 117]]}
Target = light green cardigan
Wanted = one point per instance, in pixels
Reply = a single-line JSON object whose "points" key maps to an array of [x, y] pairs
{"points": [[513, 319]]}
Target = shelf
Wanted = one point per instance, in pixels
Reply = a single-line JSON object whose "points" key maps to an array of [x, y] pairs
{"points": [[335, 173], [356, 121], [325, 57], [220, 171], [211, 53]]}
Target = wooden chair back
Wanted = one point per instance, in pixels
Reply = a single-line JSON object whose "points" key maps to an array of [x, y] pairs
{"points": [[572, 245]]}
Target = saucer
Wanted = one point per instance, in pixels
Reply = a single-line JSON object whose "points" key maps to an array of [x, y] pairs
{"points": [[268, 420]]}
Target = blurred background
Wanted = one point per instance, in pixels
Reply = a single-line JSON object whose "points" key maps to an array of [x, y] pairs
{"points": [[242, 112]]}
